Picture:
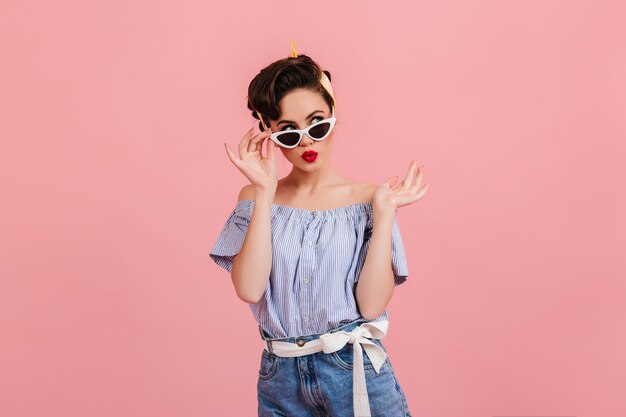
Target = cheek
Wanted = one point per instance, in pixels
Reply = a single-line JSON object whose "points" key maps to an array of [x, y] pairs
{"points": [[290, 154]]}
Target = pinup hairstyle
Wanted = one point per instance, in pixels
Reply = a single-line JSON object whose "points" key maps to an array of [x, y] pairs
{"points": [[274, 81]]}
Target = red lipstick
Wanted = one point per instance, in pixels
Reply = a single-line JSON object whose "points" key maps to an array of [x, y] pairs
{"points": [[309, 156]]}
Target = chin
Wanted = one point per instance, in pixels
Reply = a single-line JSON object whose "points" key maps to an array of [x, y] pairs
{"points": [[309, 166]]}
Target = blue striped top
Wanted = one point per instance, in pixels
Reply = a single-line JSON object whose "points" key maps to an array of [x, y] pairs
{"points": [[317, 256]]}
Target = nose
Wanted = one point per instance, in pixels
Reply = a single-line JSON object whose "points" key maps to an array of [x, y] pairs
{"points": [[306, 141]]}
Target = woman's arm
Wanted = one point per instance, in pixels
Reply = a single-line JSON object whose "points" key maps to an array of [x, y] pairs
{"points": [[376, 281], [252, 266], [375, 285]]}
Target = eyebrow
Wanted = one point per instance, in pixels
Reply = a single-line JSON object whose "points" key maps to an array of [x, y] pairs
{"points": [[308, 117]]}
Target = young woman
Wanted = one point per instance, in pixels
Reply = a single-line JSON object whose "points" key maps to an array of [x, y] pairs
{"points": [[303, 252]]}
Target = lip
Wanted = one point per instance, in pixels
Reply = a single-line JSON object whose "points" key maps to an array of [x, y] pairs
{"points": [[309, 156]]}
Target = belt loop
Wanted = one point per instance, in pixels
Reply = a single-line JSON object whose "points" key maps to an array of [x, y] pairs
{"points": [[269, 346]]}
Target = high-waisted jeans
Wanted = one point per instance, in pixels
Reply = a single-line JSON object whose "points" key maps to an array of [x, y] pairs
{"points": [[320, 384]]}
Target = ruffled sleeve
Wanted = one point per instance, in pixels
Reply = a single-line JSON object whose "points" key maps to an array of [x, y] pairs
{"points": [[232, 235], [398, 257]]}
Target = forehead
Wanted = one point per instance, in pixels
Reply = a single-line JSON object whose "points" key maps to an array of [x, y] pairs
{"points": [[298, 104]]}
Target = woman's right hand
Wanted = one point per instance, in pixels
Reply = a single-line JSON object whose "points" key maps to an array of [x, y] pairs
{"points": [[262, 172]]}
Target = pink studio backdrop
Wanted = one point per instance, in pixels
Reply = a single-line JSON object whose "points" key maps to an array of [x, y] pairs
{"points": [[115, 184]]}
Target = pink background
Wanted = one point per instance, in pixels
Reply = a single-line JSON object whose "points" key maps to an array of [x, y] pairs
{"points": [[115, 184]]}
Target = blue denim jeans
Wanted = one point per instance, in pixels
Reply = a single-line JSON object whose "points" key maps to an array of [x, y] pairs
{"points": [[320, 384]]}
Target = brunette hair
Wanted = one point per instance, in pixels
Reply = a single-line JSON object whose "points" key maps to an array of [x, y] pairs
{"points": [[274, 81]]}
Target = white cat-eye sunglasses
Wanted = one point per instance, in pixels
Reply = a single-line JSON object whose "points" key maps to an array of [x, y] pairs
{"points": [[317, 131]]}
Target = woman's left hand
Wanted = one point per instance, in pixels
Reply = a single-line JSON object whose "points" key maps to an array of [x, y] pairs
{"points": [[393, 194]]}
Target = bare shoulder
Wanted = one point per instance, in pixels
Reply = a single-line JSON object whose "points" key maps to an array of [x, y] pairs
{"points": [[364, 191], [246, 193]]}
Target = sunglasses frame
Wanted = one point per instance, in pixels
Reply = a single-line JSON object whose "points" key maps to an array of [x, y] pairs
{"points": [[302, 132]]}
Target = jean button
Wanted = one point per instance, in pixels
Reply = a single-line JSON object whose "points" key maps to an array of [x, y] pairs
{"points": [[300, 342]]}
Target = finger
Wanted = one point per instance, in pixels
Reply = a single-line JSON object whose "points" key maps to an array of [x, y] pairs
{"points": [[417, 181], [397, 185], [257, 141], [259, 136], [231, 154], [243, 143], [421, 193], [390, 181], [406, 184], [412, 199], [269, 149], [249, 132]]}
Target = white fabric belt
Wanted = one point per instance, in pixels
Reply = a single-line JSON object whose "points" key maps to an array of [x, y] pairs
{"points": [[332, 342]]}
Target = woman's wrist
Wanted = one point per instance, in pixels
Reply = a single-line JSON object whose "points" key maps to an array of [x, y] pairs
{"points": [[383, 214], [264, 196], [383, 209]]}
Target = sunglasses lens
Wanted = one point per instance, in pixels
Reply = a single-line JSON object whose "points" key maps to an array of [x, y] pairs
{"points": [[288, 138], [320, 130]]}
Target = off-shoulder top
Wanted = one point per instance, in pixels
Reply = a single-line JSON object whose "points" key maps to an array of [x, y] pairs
{"points": [[317, 256]]}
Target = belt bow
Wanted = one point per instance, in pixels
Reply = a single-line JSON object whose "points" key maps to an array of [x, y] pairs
{"points": [[358, 337]]}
